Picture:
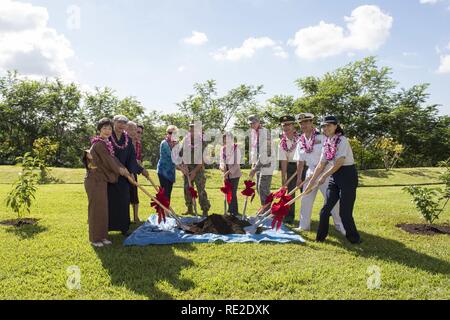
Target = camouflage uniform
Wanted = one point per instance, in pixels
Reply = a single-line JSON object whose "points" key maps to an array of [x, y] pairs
{"points": [[200, 184]]}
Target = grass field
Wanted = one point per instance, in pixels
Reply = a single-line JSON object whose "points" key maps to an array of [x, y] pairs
{"points": [[34, 259]]}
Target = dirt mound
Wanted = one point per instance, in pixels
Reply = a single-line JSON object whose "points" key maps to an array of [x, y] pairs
{"points": [[219, 224], [424, 229]]}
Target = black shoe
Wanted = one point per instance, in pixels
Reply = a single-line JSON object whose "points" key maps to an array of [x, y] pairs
{"points": [[356, 242]]}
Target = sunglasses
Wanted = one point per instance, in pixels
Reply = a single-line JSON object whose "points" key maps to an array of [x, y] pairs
{"points": [[170, 133]]}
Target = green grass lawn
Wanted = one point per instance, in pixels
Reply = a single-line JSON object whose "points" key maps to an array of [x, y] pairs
{"points": [[34, 259]]}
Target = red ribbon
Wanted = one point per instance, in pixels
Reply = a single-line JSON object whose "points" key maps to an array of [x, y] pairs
{"points": [[276, 195], [280, 210], [193, 192], [161, 197], [227, 189], [249, 189]]}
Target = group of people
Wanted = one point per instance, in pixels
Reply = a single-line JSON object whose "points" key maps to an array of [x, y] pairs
{"points": [[320, 160], [311, 160]]}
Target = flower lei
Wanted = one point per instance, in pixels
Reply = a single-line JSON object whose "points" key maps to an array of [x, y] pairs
{"points": [[331, 146], [108, 144], [284, 140], [116, 144], [255, 136], [308, 147], [225, 154], [171, 143], [188, 141]]}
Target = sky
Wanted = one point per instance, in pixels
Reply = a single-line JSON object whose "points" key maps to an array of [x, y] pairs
{"points": [[157, 50]]}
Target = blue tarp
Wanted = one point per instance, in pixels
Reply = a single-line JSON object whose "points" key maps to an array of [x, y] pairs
{"points": [[153, 233]]}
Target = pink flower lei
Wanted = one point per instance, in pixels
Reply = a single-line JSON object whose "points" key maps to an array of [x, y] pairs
{"points": [[224, 152], [108, 144], [188, 141], [255, 136], [308, 147], [284, 140], [331, 146], [116, 144]]}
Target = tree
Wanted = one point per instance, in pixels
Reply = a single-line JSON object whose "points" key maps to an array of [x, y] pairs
{"points": [[391, 151], [217, 112], [24, 189]]}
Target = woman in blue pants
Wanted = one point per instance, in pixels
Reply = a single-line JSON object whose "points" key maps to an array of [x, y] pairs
{"points": [[343, 182]]}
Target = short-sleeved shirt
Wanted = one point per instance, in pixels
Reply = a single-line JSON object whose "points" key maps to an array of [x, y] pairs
{"points": [[344, 150], [166, 166], [284, 155], [312, 159]]}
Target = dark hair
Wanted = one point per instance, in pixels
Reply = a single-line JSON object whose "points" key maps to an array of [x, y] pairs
{"points": [[103, 123], [141, 126], [339, 130]]}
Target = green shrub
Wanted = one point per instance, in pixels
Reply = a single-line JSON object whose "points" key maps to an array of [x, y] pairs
{"points": [[24, 189]]}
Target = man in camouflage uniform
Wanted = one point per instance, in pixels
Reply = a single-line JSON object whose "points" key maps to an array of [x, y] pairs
{"points": [[195, 145]]}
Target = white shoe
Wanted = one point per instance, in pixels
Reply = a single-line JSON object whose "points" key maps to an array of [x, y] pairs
{"points": [[340, 228], [97, 244], [106, 242]]}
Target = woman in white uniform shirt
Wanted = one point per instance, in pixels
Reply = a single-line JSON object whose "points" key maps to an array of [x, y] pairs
{"points": [[309, 150], [343, 183], [286, 152]]}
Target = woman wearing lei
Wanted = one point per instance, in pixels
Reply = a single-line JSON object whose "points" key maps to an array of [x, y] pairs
{"points": [[307, 156], [166, 168], [119, 193], [230, 164], [343, 183], [101, 168], [286, 152]]}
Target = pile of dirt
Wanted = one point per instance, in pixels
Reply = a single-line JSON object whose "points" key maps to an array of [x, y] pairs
{"points": [[219, 224], [424, 229]]}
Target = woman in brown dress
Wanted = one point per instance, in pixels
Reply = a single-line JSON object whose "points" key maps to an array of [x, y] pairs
{"points": [[102, 167]]}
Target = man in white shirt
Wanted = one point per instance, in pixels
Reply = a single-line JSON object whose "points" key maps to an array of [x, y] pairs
{"points": [[286, 152], [262, 157], [309, 151]]}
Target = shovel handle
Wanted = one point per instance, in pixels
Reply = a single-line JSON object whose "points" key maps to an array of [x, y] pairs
{"points": [[131, 179], [289, 180]]}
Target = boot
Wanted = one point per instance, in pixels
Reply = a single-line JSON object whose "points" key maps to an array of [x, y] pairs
{"points": [[190, 211]]}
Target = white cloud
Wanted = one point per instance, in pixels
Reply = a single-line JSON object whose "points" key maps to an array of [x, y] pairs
{"points": [[278, 51], [248, 49], [445, 64], [409, 54], [197, 39], [429, 1], [29, 45], [368, 28]]}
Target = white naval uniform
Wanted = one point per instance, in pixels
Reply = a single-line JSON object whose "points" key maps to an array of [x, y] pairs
{"points": [[312, 161]]}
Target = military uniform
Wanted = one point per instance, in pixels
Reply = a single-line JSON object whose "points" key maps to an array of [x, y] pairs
{"points": [[341, 188], [312, 160], [195, 158]]}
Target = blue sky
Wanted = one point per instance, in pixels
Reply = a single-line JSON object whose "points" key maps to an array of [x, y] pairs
{"points": [[142, 47]]}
